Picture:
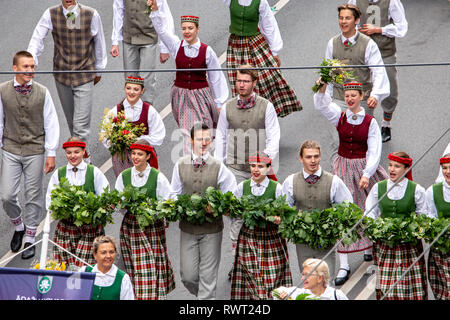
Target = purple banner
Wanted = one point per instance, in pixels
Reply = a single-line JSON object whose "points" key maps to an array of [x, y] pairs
{"points": [[32, 284]]}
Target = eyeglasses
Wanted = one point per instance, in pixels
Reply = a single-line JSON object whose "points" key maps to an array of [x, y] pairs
{"points": [[244, 81]]}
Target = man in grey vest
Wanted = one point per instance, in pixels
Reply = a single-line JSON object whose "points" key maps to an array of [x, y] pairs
{"points": [[247, 123], [29, 129], [200, 245], [314, 188], [79, 44], [133, 26], [384, 21]]}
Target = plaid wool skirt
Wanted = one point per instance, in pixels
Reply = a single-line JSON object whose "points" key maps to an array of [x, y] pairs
{"points": [[261, 264], [350, 171], [146, 260], [271, 85], [439, 274], [77, 240], [190, 106], [392, 263]]}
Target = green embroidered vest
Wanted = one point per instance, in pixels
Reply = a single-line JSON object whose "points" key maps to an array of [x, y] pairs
{"points": [[442, 206], [88, 179], [108, 293], [397, 208], [244, 20]]}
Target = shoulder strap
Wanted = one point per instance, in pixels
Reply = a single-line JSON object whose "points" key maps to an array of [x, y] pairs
{"points": [[62, 172], [126, 177], [89, 184]]}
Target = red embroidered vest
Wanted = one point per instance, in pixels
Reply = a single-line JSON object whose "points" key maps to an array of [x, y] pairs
{"points": [[143, 118], [353, 138], [191, 80]]}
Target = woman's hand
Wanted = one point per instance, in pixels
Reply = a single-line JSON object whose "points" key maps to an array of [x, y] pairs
{"points": [[277, 220], [363, 183], [323, 87]]}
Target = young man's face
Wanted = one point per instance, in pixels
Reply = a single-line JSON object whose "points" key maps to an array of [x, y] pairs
{"points": [[245, 84], [201, 142], [25, 64], [68, 3], [347, 22], [311, 160]]}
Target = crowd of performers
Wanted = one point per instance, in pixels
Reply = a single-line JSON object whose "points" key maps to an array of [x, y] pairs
{"points": [[202, 108]]}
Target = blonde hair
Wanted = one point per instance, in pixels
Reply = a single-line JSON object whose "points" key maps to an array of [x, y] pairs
{"points": [[309, 144], [321, 271], [101, 240]]}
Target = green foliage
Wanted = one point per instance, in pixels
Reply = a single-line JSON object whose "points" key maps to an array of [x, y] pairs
{"points": [[435, 228]]}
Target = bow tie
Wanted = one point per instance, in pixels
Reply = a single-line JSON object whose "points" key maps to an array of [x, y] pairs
{"points": [[23, 88], [241, 104], [198, 163], [311, 179]]}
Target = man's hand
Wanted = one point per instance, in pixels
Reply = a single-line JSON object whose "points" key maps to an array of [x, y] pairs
{"points": [[115, 51], [50, 163], [369, 29], [163, 57], [372, 102], [97, 79]]}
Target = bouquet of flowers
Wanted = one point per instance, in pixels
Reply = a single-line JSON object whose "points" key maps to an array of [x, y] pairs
{"points": [[335, 75], [73, 203], [320, 229], [52, 265], [119, 132]]}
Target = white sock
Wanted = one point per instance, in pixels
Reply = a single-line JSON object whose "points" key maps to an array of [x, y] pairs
{"points": [[343, 263], [30, 235], [18, 224], [368, 251], [385, 123]]}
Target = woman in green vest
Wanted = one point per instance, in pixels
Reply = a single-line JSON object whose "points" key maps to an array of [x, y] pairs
{"points": [[111, 283], [438, 201], [144, 252], [261, 262], [77, 240], [404, 197]]}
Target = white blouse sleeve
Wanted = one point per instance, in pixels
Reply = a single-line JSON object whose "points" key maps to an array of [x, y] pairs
{"points": [[373, 154], [287, 188], [157, 130], [100, 181], [330, 110], [52, 184], [161, 23], [371, 200], [126, 288], [269, 27], [421, 203], [163, 188], [431, 206], [216, 79]]}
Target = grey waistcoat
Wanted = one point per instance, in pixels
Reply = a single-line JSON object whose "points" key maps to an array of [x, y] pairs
{"points": [[137, 25], [196, 180], [312, 196]]}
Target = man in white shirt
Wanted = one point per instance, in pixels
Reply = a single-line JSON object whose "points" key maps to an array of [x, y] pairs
{"points": [[384, 21], [29, 129], [84, 49], [133, 27]]}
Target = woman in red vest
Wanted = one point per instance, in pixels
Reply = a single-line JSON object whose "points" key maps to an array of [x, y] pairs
{"points": [[137, 112], [358, 158], [196, 96]]}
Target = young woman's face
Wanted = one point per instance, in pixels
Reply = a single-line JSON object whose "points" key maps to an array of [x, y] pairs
{"points": [[139, 159], [396, 170], [189, 31], [133, 92], [446, 172], [352, 99], [74, 155], [259, 171], [105, 256]]}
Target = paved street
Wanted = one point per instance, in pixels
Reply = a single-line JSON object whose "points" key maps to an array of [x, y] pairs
{"points": [[306, 26]]}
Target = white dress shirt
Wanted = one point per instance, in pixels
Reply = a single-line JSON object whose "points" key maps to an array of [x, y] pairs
{"points": [[268, 25], [429, 195], [119, 13], [273, 133], [163, 189], [329, 293], [396, 11], [51, 124], [397, 193], [156, 128], [107, 280], [44, 26], [77, 179], [216, 79], [440, 176], [258, 189], [338, 191], [226, 179], [380, 81], [323, 103]]}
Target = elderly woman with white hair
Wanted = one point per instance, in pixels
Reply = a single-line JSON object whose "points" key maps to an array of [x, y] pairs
{"points": [[315, 284]]}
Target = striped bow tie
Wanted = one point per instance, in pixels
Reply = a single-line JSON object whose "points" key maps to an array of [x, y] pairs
{"points": [[23, 89], [241, 104], [312, 179], [198, 163]]}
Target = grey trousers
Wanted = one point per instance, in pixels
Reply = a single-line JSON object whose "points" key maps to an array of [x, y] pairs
{"points": [[137, 57], [32, 168], [199, 263], [390, 103], [304, 252], [76, 103]]}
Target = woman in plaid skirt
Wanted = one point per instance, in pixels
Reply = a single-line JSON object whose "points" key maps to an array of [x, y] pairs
{"points": [[196, 96], [438, 202], [261, 262], [145, 251], [255, 39], [137, 112], [404, 198], [76, 240], [358, 158]]}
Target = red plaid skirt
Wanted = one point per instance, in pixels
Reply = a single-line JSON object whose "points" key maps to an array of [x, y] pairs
{"points": [[261, 264], [392, 263], [145, 257], [77, 240], [439, 274]]}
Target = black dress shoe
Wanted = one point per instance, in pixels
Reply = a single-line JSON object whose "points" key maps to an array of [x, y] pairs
{"points": [[385, 134], [368, 257], [16, 242], [339, 281], [229, 274], [29, 253]]}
